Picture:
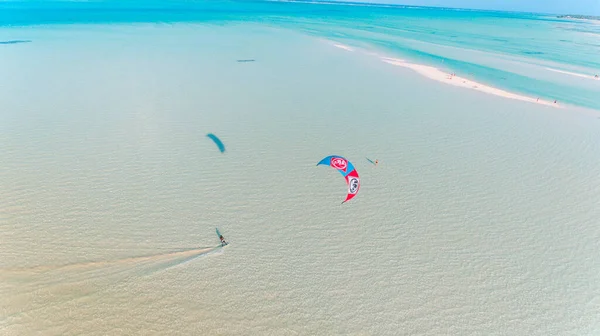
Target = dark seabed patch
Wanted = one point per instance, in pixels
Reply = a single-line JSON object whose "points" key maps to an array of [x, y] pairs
{"points": [[15, 41], [246, 60], [532, 52]]}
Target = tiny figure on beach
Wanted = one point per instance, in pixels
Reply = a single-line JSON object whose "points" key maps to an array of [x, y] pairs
{"points": [[555, 101], [376, 162], [538, 100]]}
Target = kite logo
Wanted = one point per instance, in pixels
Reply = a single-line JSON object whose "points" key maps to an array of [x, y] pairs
{"points": [[353, 185], [339, 163]]}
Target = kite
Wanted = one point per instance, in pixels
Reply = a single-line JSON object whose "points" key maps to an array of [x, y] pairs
{"points": [[347, 170], [217, 142]]}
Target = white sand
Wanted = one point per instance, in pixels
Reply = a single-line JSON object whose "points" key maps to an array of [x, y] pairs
{"points": [[341, 46], [441, 76]]}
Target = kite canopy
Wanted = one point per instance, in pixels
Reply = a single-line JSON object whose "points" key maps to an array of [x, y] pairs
{"points": [[348, 172], [217, 141]]}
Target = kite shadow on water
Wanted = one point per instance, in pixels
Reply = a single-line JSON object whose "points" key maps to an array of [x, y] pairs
{"points": [[217, 142]]}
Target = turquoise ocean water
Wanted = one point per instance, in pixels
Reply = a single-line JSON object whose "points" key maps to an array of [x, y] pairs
{"points": [[512, 51]]}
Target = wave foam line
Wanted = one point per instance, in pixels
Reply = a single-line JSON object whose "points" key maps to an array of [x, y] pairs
{"points": [[573, 74]]}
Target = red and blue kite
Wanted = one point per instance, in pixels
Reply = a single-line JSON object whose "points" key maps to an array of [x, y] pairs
{"points": [[347, 170]]}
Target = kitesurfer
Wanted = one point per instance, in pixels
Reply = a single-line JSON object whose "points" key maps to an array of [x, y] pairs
{"points": [[223, 242]]}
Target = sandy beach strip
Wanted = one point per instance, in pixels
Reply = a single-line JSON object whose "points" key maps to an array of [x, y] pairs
{"points": [[441, 76], [451, 79]]}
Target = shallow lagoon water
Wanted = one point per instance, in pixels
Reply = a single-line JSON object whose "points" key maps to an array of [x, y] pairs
{"points": [[480, 218]]}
